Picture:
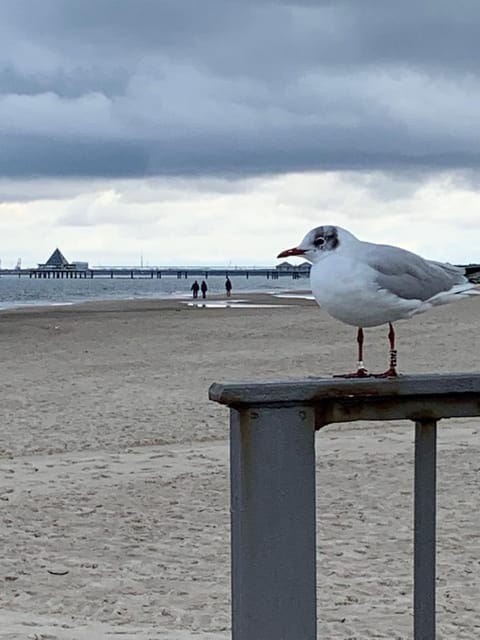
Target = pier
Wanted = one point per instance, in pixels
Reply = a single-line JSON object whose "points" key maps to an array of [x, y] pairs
{"points": [[157, 272], [270, 273]]}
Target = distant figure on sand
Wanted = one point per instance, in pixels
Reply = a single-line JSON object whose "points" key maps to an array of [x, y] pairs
{"points": [[228, 286], [204, 289], [194, 288]]}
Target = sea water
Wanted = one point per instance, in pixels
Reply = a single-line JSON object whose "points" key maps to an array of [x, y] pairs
{"points": [[23, 291]]}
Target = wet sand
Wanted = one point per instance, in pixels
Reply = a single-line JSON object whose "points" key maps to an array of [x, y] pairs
{"points": [[114, 470]]}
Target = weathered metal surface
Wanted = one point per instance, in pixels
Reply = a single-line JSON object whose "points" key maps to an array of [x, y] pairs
{"points": [[407, 397], [273, 524], [398, 408], [311, 390], [424, 529]]}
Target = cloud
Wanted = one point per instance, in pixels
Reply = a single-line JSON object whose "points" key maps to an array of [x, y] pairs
{"points": [[224, 88], [200, 221]]}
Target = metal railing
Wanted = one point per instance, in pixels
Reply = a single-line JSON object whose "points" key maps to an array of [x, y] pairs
{"points": [[272, 447]]}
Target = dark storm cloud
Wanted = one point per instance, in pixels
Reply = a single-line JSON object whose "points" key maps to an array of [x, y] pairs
{"points": [[24, 155], [71, 84], [132, 88]]}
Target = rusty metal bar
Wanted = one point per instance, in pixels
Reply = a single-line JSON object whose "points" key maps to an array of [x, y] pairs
{"points": [[273, 524], [403, 408], [424, 529]]}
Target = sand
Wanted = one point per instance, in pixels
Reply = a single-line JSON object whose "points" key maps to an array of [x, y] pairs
{"points": [[114, 487]]}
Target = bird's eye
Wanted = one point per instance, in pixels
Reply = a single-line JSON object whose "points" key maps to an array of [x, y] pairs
{"points": [[319, 242]]}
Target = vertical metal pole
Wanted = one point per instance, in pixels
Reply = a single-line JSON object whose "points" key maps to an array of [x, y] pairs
{"points": [[273, 523], [424, 535]]}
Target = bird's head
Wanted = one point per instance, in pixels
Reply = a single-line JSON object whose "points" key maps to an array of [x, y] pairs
{"points": [[318, 243]]}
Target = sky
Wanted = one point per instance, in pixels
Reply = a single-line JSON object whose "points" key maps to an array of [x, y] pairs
{"points": [[220, 131]]}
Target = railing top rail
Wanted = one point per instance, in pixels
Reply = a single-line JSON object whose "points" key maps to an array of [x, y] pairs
{"points": [[415, 397], [312, 390]]}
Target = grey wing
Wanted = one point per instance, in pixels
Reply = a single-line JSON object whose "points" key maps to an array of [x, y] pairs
{"points": [[409, 276]]}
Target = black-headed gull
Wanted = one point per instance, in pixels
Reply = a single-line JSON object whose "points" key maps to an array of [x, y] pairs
{"points": [[366, 285]]}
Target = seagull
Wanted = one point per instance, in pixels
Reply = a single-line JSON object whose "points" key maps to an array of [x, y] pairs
{"points": [[366, 285]]}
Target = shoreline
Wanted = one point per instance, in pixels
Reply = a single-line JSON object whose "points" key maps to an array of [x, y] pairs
{"points": [[15, 295], [31, 293], [115, 304]]}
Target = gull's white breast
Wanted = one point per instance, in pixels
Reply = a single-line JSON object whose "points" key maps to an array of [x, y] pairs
{"points": [[347, 289]]}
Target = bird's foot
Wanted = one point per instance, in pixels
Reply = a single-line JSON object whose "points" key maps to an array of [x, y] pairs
{"points": [[361, 372], [389, 373]]}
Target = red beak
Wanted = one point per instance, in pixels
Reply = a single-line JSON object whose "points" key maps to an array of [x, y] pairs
{"points": [[291, 252]]}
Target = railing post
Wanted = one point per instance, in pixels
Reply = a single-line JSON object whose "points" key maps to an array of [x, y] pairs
{"points": [[273, 523], [272, 466], [425, 526]]}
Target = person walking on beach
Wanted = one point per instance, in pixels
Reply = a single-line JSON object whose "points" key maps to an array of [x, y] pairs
{"points": [[204, 289], [228, 286], [194, 288]]}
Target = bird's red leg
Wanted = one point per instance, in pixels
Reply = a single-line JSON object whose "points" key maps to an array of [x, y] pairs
{"points": [[393, 351], [361, 372], [361, 367], [391, 372]]}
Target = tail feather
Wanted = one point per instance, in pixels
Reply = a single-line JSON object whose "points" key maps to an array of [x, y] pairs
{"points": [[458, 291]]}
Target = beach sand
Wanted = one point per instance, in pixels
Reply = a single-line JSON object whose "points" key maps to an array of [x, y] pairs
{"points": [[114, 487]]}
